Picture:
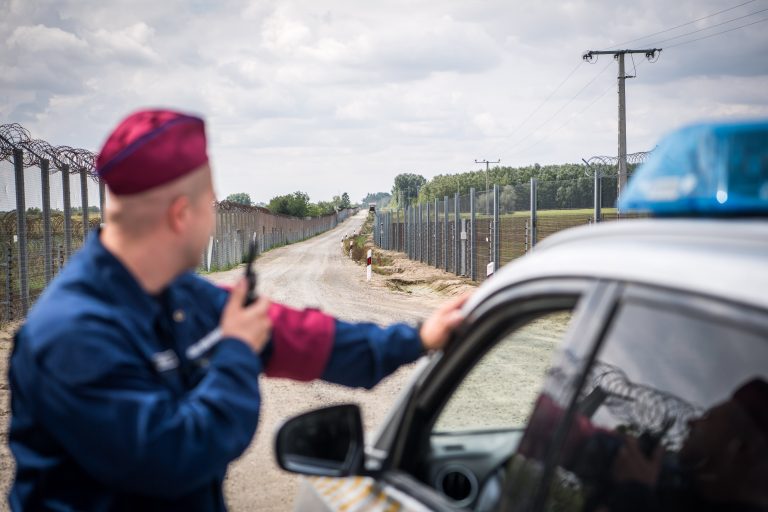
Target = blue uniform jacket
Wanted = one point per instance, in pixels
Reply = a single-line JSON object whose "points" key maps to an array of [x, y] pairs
{"points": [[109, 413]]}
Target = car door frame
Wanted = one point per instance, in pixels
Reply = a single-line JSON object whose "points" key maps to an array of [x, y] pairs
{"points": [[592, 302]]}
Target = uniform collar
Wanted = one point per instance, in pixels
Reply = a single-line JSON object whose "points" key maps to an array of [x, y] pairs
{"points": [[117, 281]]}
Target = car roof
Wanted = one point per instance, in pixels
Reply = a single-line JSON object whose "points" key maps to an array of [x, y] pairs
{"points": [[726, 258]]}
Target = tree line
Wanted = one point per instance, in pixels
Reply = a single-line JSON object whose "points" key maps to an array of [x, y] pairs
{"points": [[296, 204], [562, 184]]}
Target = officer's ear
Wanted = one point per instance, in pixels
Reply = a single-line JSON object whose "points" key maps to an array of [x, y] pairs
{"points": [[179, 214]]}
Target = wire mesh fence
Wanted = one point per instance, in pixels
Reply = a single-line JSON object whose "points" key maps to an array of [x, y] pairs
{"points": [[51, 198], [238, 225], [474, 234]]}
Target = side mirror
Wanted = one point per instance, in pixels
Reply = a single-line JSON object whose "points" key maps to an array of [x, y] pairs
{"points": [[323, 442]]}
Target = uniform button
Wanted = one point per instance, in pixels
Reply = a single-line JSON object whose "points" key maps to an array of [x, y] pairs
{"points": [[178, 315]]}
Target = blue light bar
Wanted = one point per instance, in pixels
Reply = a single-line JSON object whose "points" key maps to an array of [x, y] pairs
{"points": [[713, 169]]}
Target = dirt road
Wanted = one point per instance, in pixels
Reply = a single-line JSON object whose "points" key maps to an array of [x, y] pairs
{"points": [[314, 273], [311, 273]]}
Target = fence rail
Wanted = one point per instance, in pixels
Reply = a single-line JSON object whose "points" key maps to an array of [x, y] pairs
{"points": [[51, 197]]}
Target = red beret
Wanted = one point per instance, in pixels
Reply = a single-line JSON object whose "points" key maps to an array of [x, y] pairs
{"points": [[150, 148], [753, 398]]}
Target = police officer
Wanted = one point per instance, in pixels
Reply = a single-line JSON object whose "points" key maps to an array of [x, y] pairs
{"points": [[134, 382]]}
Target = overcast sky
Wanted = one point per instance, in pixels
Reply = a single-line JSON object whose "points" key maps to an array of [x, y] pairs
{"points": [[334, 96]]}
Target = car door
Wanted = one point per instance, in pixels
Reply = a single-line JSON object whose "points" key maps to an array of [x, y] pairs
{"points": [[671, 414], [465, 419]]}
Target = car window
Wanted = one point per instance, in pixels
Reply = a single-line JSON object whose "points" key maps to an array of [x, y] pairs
{"points": [[672, 413], [499, 391]]}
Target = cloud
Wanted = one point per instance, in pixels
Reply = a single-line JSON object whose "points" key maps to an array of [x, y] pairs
{"points": [[283, 35], [130, 44], [341, 96], [39, 40]]}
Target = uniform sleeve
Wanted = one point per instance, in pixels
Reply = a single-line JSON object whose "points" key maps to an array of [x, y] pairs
{"points": [[364, 353], [115, 417], [309, 344]]}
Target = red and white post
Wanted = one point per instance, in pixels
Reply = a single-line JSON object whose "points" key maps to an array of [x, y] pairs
{"points": [[368, 268]]}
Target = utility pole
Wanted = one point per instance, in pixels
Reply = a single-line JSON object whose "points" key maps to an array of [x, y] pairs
{"points": [[486, 162], [619, 56]]}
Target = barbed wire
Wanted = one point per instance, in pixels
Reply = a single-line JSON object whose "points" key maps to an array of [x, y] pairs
{"points": [[11, 135], [602, 162], [641, 406], [632, 158], [14, 136]]}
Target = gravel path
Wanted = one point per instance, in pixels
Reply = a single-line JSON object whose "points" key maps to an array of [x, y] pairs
{"points": [[312, 273]]}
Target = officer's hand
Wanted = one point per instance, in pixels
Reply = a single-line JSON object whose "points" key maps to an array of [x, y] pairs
{"points": [[249, 324], [631, 464], [436, 330]]}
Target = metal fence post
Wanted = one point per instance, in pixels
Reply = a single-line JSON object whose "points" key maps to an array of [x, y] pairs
{"points": [[84, 198], [408, 232], [375, 228], [9, 282], [412, 237], [436, 261], [21, 229], [102, 200], [385, 230], [67, 211], [385, 220], [445, 233], [406, 246], [397, 229], [533, 214], [420, 230], [47, 241], [527, 233], [428, 255], [598, 197], [456, 234], [414, 232], [496, 234], [472, 236]]}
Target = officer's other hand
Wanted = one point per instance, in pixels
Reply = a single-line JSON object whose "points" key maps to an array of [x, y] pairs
{"points": [[631, 465], [249, 324], [436, 329]]}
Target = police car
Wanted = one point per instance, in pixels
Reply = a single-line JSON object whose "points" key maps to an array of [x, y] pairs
{"points": [[618, 366]]}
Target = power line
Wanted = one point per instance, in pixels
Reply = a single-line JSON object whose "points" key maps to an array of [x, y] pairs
{"points": [[546, 99], [718, 33], [570, 119], [682, 24], [709, 27], [544, 102], [520, 141]]}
